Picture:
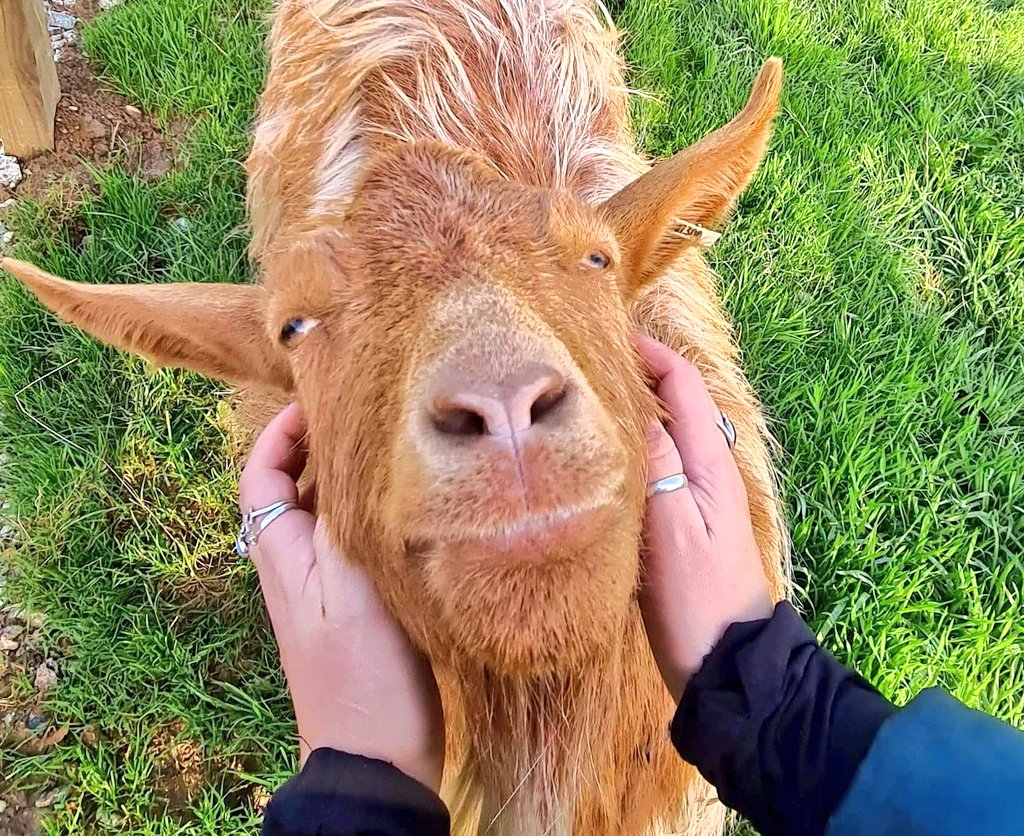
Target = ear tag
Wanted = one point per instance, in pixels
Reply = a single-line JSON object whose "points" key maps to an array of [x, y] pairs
{"points": [[704, 237]]}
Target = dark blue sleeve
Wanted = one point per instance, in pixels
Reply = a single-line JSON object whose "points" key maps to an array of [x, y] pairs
{"points": [[937, 769], [338, 794], [777, 725]]}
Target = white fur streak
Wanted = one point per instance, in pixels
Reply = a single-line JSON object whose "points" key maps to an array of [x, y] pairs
{"points": [[341, 164]]}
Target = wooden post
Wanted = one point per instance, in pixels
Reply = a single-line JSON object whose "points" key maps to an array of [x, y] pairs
{"points": [[29, 89]]}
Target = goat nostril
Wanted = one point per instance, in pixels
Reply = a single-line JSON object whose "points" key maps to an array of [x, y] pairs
{"points": [[455, 420], [546, 404]]}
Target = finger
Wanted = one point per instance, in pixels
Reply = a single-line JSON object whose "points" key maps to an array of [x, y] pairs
{"points": [[703, 449], [673, 529], [276, 462], [283, 551], [663, 460]]}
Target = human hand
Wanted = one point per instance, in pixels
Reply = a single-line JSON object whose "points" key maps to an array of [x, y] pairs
{"points": [[702, 569], [357, 684]]}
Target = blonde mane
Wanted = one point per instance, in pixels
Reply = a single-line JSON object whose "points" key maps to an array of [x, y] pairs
{"points": [[537, 89]]}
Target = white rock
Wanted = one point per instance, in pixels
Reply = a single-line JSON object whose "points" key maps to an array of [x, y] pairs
{"points": [[181, 223], [5, 204], [71, 37], [10, 170], [3, 806], [61, 20], [58, 54], [109, 4], [7, 644]]}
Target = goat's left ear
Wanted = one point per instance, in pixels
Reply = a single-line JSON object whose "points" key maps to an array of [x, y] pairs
{"points": [[654, 216], [218, 330]]}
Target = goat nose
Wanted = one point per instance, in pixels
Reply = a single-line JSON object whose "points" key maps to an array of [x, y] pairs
{"points": [[527, 397]]}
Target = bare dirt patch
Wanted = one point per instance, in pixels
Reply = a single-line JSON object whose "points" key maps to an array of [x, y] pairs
{"points": [[183, 771], [94, 127]]}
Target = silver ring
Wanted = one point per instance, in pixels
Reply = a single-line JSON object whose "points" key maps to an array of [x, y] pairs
{"points": [[728, 430], [256, 520], [668, 484]]}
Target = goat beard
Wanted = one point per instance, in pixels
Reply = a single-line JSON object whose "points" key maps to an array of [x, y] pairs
{"points": [[529, 617]]}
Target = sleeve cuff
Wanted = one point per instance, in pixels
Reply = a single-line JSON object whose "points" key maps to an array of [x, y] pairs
{"points": [[338, 794], [777, 725]]}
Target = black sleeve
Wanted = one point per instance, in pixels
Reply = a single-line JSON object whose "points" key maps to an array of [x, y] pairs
{"points": [[777, 725], [338, 794]]}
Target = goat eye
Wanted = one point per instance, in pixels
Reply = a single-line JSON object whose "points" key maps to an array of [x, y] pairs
{"points": [[597, 260], [297, 328]]}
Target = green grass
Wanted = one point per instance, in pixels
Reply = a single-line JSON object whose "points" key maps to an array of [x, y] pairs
{"points": [[875, 270]]}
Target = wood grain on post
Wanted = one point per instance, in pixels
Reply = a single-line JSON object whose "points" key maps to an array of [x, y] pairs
{"points": [[29, 89]]}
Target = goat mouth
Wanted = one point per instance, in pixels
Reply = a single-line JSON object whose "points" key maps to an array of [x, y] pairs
{"points": [[561, 532]]}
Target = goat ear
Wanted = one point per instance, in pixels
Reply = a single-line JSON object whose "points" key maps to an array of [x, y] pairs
{"points": [[661, 213], [215, 329]]}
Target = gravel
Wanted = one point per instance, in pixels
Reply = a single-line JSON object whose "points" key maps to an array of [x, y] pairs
{"points": [[62, 25]]}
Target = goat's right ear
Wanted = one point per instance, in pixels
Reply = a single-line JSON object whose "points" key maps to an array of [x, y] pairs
{"points": [[218, 330], [663, 212]]}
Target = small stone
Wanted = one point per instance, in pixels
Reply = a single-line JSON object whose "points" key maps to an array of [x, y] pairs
{"points": [[104, 818], [8, 645], [90, 736], [61, 20], [260, 798], [57, 55], [154, 161], [109, 4], [6, 204], [12, 631], [132, 111], [3, 806], [48, 798], [35, 722], [94, 128], [73, 108], [71, 37], [46, 676], [181, 223]]}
